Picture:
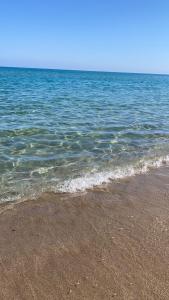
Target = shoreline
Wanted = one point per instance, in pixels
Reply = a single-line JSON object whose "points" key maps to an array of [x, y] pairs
{"points": [[107, 243], [90, 181]]}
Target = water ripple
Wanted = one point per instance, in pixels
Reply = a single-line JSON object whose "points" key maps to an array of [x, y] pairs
{"points": [[59, 127]]}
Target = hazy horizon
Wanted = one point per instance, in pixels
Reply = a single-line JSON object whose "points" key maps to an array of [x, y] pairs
{"points": [[82, 70]]}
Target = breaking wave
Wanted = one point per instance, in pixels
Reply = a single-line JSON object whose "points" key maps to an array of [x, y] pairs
{"points": [[90, 180]]}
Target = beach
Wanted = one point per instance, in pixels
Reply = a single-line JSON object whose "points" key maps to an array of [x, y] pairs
{"points": [[111, 242], [84, 150]]}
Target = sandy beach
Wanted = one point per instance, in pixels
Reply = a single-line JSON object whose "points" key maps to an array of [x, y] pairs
{"points": [[109, 243]]}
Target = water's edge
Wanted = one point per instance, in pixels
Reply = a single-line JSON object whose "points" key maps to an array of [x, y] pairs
{"points": [[74, 187]]}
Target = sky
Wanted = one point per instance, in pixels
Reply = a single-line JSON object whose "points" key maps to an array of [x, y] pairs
{"points": [[105, 35]]}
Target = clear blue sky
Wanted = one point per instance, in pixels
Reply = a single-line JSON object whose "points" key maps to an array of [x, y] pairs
{"points": [[113, 35]]}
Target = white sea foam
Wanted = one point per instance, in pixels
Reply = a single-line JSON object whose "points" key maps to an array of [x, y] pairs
{"points": [[90, 180]]}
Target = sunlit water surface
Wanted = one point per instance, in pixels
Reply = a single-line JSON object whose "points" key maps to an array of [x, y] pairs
{"points": [[70, 130]]}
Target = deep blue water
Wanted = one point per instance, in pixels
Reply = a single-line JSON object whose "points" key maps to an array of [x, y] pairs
{"points": [[69, 130]]}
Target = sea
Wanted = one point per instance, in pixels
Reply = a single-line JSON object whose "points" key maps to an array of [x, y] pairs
{"points": [[68, 131]]}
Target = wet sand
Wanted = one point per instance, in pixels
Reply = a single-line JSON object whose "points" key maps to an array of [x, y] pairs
{"points": [[109, 243]]}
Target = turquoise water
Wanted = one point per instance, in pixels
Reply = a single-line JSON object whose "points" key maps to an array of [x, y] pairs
{"points": [[71, 130]]}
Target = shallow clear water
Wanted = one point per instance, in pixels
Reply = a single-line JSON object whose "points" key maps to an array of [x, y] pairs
{"points": [[70, 130]]}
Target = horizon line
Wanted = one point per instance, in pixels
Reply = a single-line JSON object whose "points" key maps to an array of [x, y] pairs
{"points": [[82, 70]]}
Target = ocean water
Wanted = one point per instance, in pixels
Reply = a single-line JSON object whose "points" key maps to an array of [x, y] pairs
{"points": [[66, 131]]}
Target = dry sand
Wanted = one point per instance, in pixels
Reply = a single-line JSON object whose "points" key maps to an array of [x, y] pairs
{"points": [[109, 243]]}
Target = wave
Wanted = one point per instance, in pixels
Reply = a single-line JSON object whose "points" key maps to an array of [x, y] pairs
{"points": [[87, 181], [91, 180]]}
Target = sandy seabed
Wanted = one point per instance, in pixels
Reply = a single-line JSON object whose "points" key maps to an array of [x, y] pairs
{"points": [[108, 243]]}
